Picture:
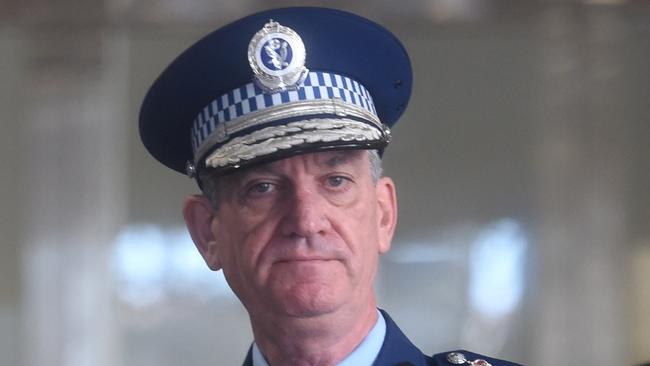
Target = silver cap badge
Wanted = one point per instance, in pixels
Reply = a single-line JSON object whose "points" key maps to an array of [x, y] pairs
{"points": [[456, 358], [277, 56]]}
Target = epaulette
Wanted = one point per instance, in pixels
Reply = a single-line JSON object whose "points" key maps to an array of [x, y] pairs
{"points": [[462, 357]]}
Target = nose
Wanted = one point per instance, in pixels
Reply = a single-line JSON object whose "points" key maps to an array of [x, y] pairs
{"points": [[305, 213]]}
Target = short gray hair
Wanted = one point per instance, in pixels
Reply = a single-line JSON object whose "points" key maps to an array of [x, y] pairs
{"points": [[210, 186], [376, 168]]}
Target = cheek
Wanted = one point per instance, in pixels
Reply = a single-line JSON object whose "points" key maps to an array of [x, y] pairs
{"points": [[241, 238], [364, 219], [359, 229]]}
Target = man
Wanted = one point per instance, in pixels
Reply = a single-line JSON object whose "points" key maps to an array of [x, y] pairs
{"points": [[281, 117]]}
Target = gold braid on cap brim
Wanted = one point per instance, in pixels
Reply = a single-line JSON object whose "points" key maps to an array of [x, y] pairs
{"points": [[274, 139]]}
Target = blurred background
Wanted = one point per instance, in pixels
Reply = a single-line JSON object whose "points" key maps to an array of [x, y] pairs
{"points": [[521, 166]]}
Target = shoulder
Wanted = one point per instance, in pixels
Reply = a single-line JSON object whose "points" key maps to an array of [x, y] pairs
{"points": [[398, 350], [467, 358]]}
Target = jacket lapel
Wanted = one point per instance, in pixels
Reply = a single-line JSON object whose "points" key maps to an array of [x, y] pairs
{"points": [[397, 349], [249, 357]]}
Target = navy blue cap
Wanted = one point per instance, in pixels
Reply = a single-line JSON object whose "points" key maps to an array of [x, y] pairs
{"points": [[274, 84]]}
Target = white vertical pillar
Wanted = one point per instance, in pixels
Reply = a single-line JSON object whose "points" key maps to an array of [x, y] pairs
{"points": [[579, 317], [73, 150]]}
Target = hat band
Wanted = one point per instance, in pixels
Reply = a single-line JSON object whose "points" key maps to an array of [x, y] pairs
{"points": [[222, 116], [270, 140], [307, 109]]}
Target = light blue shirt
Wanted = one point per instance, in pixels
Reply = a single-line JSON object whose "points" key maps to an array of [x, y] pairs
{"points": [[364, 355]]}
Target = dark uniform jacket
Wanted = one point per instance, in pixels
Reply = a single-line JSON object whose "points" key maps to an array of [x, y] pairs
{"points": [[397, 350]]}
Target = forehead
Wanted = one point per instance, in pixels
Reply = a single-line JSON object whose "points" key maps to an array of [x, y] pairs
{"points": [[324, 159]]}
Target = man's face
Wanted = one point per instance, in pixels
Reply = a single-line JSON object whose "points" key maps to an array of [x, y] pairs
{"points": [[301, 236]]}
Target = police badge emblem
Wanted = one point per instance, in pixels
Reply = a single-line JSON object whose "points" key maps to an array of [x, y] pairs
{"points": [[277, 55]]}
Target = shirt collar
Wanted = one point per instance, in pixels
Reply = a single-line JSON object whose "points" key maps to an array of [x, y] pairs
{"points": [[363, 355]]}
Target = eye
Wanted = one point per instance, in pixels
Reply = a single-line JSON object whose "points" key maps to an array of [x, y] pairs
{"points": [[337, 181], [261, 188]]}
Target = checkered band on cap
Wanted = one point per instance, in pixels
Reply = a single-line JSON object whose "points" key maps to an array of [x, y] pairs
{"points": [[250, 98]]}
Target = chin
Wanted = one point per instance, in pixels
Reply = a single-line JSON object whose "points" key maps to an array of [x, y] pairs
{"points": [[309, 300], [307, 289]]}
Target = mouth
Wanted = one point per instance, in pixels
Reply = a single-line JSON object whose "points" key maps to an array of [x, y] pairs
{"points": [[312, 269], [303, 259]]}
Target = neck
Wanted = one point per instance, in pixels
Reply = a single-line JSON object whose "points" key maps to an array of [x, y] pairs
{"points": [[319, 340]]}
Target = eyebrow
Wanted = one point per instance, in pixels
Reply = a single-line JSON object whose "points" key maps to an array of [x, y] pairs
{"points": [[337, 159], [342, 157]]}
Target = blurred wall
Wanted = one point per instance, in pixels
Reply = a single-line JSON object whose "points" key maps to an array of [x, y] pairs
{"points": [[521, 167]]}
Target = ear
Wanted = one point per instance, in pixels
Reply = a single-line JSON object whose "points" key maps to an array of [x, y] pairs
{"points": [[387, 215], [197, 211]]}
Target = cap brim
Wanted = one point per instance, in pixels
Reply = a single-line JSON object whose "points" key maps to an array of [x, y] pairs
{"points": [[298, 137]]}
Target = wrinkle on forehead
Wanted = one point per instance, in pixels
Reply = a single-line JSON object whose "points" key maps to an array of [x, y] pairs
{"points": [[330, 159], [342, 157]]}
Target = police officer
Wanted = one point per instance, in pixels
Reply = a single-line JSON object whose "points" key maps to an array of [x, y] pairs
{"points": [[281, 117]]}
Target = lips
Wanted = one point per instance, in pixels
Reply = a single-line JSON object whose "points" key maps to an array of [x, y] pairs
{"points": [[313, 250], [304, 259]]}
